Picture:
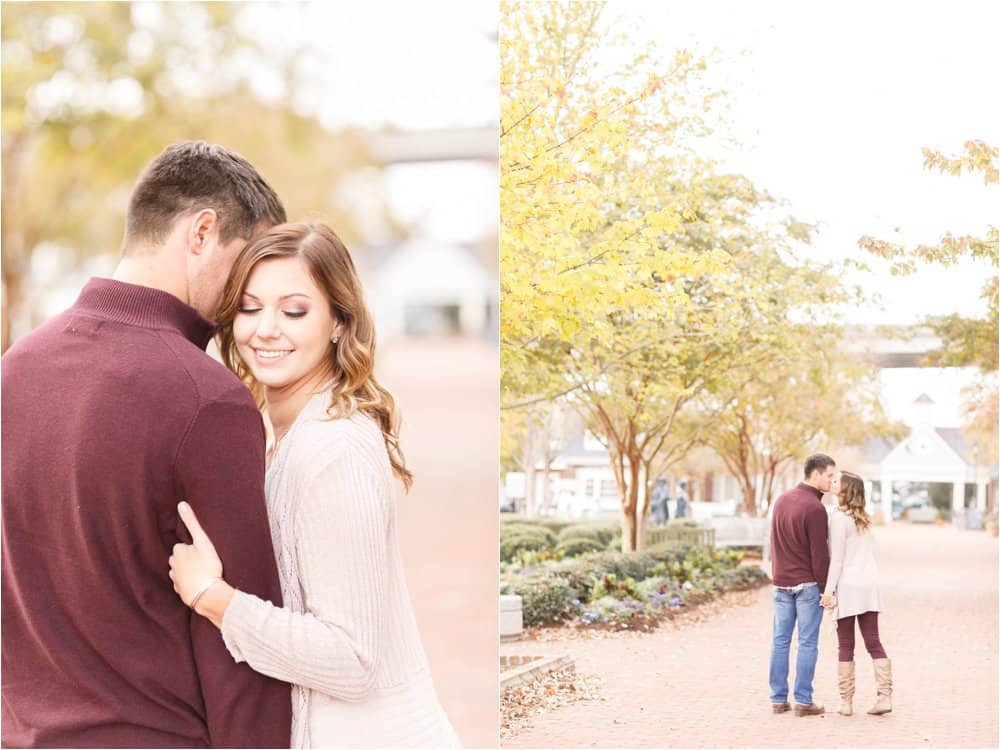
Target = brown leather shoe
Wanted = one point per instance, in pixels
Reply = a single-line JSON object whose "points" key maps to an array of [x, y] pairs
{"points": [[780, 708], [812, 709]]}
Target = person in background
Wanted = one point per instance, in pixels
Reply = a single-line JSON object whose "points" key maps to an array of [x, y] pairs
{"points": [[682, 509], [661, 496]]}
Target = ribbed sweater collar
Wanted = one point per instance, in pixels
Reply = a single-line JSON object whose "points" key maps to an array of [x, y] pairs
{"points": [[809, 488], [145, 307]]}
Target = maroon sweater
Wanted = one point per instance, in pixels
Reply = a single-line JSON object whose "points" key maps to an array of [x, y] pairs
{"points": [[112, 413], [800, 552]]}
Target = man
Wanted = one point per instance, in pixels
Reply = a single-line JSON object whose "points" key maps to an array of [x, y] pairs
{"points": [[112, 413], [681, 509], [800, 560], [660, 500]]}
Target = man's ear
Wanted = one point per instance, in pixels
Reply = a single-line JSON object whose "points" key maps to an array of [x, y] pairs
{"points": [[202, 227]]}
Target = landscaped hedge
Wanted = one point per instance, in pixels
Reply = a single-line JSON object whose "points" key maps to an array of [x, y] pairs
{"points": [[519, 539], [602, 532], [577, 545], [545, 596], [607, 587]]}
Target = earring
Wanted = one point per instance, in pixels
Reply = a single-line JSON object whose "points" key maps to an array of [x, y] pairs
{"points": [[335, 339]]}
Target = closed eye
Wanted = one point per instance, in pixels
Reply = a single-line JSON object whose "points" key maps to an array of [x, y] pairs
{"points": [[249, 310], [295, 314]]}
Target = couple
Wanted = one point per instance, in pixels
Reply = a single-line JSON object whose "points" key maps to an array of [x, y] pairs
{"points": [[122, 439], [811, 555]]}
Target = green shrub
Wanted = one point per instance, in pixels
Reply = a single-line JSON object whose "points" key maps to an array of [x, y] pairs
{"points": [[555, 525], [671, 551], [600, 531], [513, 543], [527, 529], [545, 597], [578, 545]]}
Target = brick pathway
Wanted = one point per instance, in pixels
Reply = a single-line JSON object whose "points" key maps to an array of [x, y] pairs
{"points": [[449, 522], [707, 686]]}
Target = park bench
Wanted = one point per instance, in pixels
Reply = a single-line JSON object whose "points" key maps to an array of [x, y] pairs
{"points": [[742, 531], [922, 514], [696, 536]]}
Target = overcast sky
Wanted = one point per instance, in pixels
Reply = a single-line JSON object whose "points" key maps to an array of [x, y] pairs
{"points": [[412, 66], [832, 104]]}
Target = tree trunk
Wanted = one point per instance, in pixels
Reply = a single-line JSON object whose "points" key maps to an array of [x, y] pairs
{"points": [[544, 507], [631, 539], [749, 491], [529, 479], [628, 530]]}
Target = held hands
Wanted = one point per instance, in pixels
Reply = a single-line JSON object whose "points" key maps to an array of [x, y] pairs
{"points": [[829, 601], [196, 569]]}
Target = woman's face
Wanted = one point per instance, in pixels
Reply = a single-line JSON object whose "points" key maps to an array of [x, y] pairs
{"points": [[283, 326], [835, 484]]}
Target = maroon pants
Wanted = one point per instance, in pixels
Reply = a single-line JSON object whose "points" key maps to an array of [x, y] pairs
{"points": [[868, 623]]}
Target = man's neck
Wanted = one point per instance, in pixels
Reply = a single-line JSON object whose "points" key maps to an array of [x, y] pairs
{"points": [[151, 270], [810, 484]]}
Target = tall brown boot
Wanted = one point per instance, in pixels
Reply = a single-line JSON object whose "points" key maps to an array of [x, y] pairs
{"points": [[883, 683], [845, 681]]}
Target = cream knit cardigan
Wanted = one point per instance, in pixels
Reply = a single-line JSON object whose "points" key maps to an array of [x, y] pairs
{"points": [[346, 638], [853, 576]]}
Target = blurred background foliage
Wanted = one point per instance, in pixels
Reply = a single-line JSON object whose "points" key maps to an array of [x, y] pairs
{"points": [[93, 91]]}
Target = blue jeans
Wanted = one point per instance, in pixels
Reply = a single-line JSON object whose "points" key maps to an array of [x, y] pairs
{"points": [[788, 607]]}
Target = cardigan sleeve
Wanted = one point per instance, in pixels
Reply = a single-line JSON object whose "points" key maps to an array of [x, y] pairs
{"points": [[341, 533], [838, 548]]}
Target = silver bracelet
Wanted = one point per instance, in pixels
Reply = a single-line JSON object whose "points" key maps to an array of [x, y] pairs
{"points": [[201, 592]]}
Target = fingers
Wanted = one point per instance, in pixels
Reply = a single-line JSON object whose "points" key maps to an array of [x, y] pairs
{"points": [[198, 534]]}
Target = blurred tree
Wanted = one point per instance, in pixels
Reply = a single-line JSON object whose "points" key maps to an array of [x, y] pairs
{"points": [[580, 216], [92, 91], [809, 398], [639, 285], [964, 341]]}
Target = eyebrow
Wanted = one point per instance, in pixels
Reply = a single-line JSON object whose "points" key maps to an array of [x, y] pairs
{"points": [[282, 298]]}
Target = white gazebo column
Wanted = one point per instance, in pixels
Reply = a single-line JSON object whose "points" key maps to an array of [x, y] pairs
{"points": [[981, 495], [958, 496], [886, 499]]}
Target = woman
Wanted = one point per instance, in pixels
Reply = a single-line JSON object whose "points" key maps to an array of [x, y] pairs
{"points": [[294, 326], [852, 591]]}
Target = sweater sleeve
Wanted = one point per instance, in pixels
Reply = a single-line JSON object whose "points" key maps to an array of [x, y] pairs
{"points": [[220, 472], [341, 537], [838, 548], [817, 529]]}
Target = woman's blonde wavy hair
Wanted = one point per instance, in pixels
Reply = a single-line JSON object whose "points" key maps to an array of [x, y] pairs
{"points": [[852, 499], [355, 388]]}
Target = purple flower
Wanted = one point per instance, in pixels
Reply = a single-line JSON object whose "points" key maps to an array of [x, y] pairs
{"points": [[676, 601]]}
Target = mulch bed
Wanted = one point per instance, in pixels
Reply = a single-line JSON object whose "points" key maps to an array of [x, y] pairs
{"points": [[558, 687], [698, 608]]}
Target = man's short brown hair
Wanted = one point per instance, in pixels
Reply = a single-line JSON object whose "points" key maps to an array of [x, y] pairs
{"points": [[818, 461], [194, 175]]}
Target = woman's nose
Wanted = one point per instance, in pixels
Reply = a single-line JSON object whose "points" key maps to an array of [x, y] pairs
{"points": [[267, 325]]}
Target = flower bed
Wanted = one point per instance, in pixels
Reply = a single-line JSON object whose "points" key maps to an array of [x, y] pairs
{"points": [[623, 590]]}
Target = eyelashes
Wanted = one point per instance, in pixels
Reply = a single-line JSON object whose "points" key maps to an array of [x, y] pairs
{"points": [[252, 310]]}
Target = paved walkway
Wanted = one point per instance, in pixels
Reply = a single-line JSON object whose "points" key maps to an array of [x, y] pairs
{"points": [[707, 686], [449, 525]]}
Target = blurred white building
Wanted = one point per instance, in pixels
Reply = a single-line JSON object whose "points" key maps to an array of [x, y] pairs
{"points": [[432, 288]]}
